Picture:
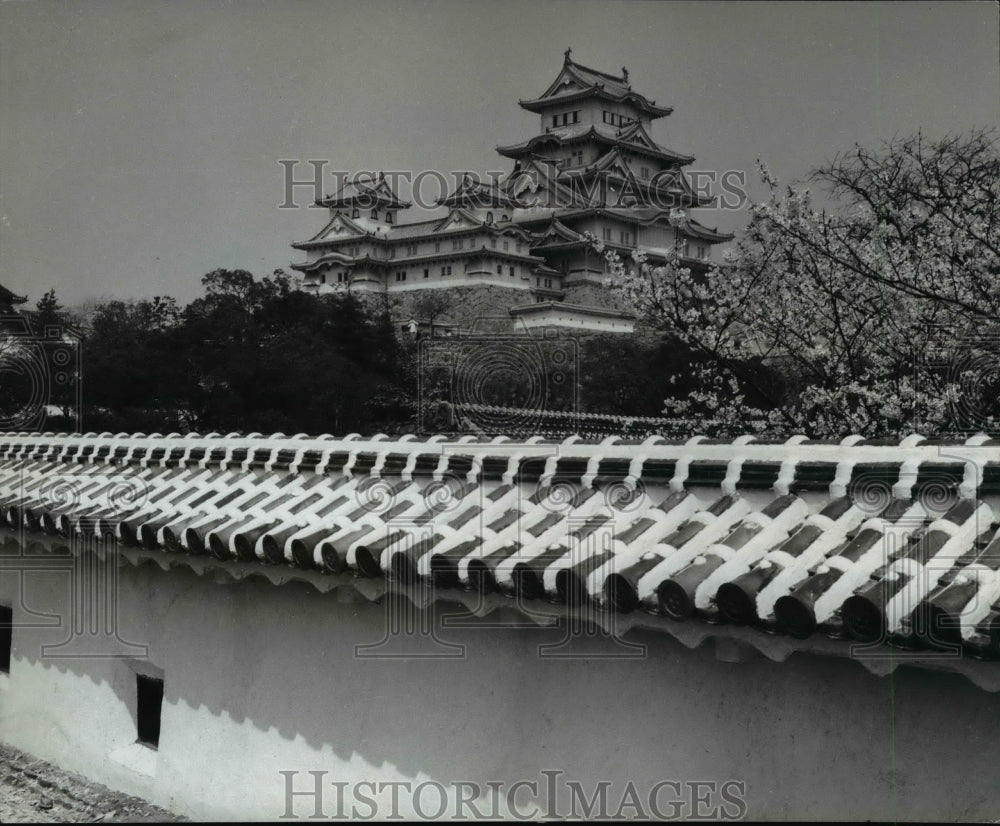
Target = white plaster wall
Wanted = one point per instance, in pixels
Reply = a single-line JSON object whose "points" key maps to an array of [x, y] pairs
{"points": [[568, 319], [260, 679]]}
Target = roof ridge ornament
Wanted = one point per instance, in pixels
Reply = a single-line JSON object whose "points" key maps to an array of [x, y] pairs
{"points": [[566, 54]]}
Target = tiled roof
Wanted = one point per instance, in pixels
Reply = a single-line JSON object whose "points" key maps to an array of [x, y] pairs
{"points": [[694, 229], [614, 135], [366, 193], [886, 552], [616, 84], [474, 193], [586, 82], [8, 298], [576, 309]]}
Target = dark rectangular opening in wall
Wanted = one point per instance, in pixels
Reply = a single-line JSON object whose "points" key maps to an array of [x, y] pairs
{"points": [[6, 637], [149, 701]]}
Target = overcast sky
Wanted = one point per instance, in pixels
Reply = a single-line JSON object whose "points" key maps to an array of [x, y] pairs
{"points": [[140, 141]]}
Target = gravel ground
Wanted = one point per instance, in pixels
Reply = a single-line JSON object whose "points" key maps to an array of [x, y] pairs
{"points": [[33, 791]]}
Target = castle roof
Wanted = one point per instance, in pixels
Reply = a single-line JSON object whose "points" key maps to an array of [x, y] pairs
{"points": [[456, 222], [365, 193], [9, 298], [477, 194], [694, 229], [578, 82], [633, 137]]}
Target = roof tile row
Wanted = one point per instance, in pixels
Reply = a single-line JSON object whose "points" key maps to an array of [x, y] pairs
{"points": [[896, 543]]}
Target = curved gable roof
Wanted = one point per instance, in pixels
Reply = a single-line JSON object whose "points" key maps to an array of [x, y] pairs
{"points": [[581, 81]]}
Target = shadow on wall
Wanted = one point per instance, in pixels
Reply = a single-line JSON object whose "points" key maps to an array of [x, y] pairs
{"points": [[284, 659]]}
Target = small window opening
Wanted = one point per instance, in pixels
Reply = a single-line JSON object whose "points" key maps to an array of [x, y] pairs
{"points": [[6, 637], [149, 702]]}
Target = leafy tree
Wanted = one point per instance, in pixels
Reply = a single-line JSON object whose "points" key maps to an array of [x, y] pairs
{"points": [[248, 355], [135, 376], [431, 306], [48, 312]]}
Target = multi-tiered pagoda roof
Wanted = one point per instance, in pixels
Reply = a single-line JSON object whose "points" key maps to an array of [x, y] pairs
{"points": [[592, 171]]}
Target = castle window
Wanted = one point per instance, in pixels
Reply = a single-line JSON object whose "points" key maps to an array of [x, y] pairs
{"points": [[489, 217], [555, 120], [401, 275], [538, 282], [388, 217], [644, 172], [437, 246], [148, 705], [511, 270], [493, 243], [355, 213], [506, 246], [446, 270], [505, 217], [607, 233], [548, 282], [427, 273], [518, 248], [374, 215], [322, 278], [499, 269], [576, 116]]}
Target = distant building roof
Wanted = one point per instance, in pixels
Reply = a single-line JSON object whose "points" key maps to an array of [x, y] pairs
{"points": [[576, 81], [632, 137], [365, 193], [9, 299]]}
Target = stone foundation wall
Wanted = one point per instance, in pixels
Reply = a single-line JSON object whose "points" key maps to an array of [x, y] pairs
{"points": [[592, 295], [484, 308], [465, 305]]}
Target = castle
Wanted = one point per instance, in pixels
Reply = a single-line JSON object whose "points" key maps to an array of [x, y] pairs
{"points": [[520, 245]]}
